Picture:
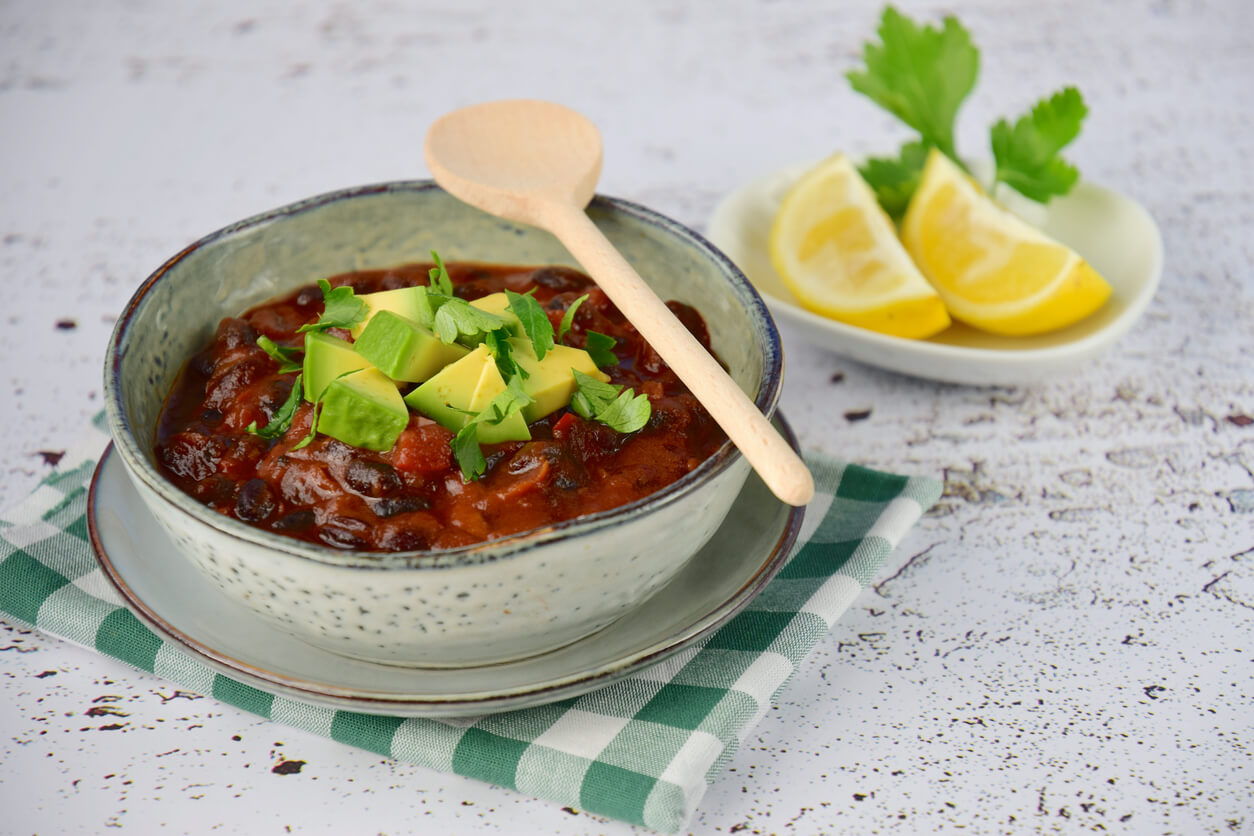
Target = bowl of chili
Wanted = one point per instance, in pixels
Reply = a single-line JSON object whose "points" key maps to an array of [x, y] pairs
{"points": [[396, 556]]}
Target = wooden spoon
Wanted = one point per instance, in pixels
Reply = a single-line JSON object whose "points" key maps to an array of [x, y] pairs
{"points": [[537, 163]]}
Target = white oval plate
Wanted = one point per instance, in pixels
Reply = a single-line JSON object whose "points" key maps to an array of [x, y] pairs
{"points": [[1113, 232]]}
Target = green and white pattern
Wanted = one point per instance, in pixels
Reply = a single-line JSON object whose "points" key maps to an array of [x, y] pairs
{"points": [[642, 750]]}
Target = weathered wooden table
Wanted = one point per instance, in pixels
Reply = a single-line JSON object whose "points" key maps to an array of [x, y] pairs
{"points": [[1065, 644]]}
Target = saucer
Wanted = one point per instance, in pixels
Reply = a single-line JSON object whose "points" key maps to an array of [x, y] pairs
{"points": [[1111, 231], [185, 609]]}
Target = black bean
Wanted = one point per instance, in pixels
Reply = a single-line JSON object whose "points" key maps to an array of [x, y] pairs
{"points": [[559, 278], [340, 538], [234, 333], [214, 491], [202, 363], [395, 281], [402, 540], [274, 396], [372, 478], [393, 505], [493, 458], [295, 521], [255, 502]]}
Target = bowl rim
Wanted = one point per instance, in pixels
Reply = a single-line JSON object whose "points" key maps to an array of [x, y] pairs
{"points": [[138, 465]]}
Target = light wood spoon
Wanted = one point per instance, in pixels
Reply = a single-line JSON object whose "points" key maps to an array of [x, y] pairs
{"points": [[537, 163]]}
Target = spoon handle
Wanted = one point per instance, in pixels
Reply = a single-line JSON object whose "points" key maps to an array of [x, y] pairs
{"points": [[776, 463]]}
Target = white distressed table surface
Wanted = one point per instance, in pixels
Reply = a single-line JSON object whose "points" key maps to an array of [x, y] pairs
{"points": [[1064, 645]]}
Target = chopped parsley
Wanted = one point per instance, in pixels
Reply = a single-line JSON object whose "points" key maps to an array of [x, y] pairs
{"points": [[289, 359], [457, 319], [466, 443], [340, 309], [568, 318], [535, 321], [281, 420], [618, 408], [600, 348], [438, 276]]}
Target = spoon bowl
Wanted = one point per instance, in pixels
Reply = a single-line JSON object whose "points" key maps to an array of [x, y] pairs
{"points": [[550, 152]]}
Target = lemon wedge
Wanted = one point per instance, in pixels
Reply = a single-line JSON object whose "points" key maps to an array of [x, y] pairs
{"points": [[839, 254], [993, 270]]}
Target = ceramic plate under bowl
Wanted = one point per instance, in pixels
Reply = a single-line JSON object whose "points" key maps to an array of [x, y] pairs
{"points": [[180, 605], [1113, 232]]}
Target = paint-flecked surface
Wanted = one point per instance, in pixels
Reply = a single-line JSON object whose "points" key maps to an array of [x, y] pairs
{"points": [[1063, 646]]}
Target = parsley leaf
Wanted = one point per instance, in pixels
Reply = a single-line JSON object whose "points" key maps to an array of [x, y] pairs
{"points": [[600, 348], [535, 321], [288, 358], [618, 408], [438, 275], [466, 450], [894, 179], [281, 420], [920, 74], [568, 318], [629, 412], [502, 352], [505, 404], [1027, 153], [592, 395], [458, 318], [466, 443], [340, 309]]}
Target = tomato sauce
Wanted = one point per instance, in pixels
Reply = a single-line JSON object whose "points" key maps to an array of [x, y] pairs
{"points": [[414, 497]]}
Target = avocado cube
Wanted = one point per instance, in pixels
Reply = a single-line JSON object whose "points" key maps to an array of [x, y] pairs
{"points": [[326, 358], [363, 409], [462, 390], [550, 382], [498, 304], [403, 349], [409, 302]]}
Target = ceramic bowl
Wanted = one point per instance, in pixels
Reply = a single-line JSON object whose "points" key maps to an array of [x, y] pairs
{"points": [[505, 599]]}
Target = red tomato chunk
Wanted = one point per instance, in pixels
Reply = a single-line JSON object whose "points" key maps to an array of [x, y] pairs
{"points": [[413, 497]]}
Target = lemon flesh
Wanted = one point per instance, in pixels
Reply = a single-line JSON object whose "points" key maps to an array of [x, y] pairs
{"points": [[994, 271], [839, 254]]}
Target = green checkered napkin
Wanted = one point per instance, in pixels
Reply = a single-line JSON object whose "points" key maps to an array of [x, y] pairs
{"points": [[642, 750]]}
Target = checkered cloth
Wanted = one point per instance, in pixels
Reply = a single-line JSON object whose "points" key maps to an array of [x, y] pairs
{"points": [[642, 750]]}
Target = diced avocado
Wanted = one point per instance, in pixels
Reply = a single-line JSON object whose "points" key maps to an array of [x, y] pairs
{"points": [[498, 303], [326, 358], [403, 349], [550, 381], [409, 302], [464, 389], [363, 409]]}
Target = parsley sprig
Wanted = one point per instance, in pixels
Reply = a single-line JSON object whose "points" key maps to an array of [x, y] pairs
{"points": [[922, 75]]}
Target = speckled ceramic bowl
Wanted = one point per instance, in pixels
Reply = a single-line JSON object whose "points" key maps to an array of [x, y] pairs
{"points": [[505, 599]]}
